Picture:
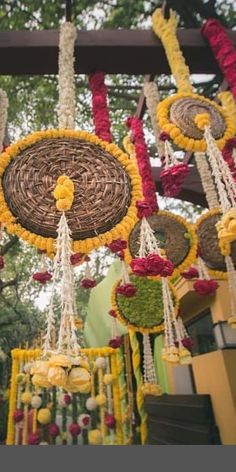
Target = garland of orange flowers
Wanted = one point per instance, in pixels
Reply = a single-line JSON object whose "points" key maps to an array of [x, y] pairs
{"points": [[121, 230]]}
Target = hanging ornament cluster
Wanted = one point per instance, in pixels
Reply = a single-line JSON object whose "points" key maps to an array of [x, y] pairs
{"points": [[173, 175]]}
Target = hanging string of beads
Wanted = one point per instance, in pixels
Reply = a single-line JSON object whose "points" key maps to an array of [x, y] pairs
{"points": [[152, 99], [66, 76], [3, 116], [100, 106]]}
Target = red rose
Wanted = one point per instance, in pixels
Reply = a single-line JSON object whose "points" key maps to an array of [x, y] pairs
{"points": [[67, 399], [187, 342], [42, 277], [33, 439], [139, 266], [54, 430], [115, 343], [127, 290], [112, 313], [205, 287], [117, 245], [76, 258], [144, 209], [110, 421], [18, 416], [191, 273], [88, 283]]}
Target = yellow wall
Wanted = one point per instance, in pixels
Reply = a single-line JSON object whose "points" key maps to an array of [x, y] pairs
{"points": [[214, 374]]}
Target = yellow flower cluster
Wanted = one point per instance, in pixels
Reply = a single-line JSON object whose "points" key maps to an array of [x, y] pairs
{"points": [[151, 389], [226, 229], [64, 193], [121, 230], [182, 141], [190, 231], [202, 120], [166, 31], [228, 103]]}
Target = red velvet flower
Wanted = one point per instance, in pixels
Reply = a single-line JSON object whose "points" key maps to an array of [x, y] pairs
{"points": [[227, 153], [127, 290], [54, 430], [117, 245], [18, 415], [205, 287], [88, 283], [116, 342], [172, 179], [191, 273], [42, 277], [121, 255], [164, 136], [76, 258], [187, 342], [1, 262], [33, 439], [112, 313], [110, 421], [74, 429], [144, 209]]}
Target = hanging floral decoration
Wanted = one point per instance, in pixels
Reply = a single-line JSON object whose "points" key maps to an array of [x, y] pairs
{"points": [[176, 114], [229, 155], [43, 276], [88, 281], [223, 50], [99, 106]]}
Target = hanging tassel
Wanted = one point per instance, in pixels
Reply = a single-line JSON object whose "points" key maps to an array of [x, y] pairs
{"points": [[88, 281], [43, 276], [174, 173], [150, 387], [204, 285]]}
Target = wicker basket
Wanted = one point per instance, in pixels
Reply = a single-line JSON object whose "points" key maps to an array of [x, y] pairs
{"points": [[208, 241], [184, 110], [171, 234], [102, 187]]}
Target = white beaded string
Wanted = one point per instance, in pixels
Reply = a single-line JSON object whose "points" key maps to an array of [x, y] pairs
{"points": [[149, 373], [152, 96], [206, 179], [147, 240], [3, 116], [66, 79]]}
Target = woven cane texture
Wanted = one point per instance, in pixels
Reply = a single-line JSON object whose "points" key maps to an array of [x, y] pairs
{"points": [[171, 236], [184, 110], [102, 187], [208, 241]]}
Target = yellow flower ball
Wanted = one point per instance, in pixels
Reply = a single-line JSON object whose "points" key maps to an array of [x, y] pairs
{"points": [[40, 381], [57, 376], [202, 120], [44, 416], [20, 378], [101, 399], [107, 379], [26, 398], [95, 437], [79, 376]]}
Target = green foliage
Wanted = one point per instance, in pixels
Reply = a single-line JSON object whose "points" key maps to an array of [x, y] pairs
{"points": [[145, 309]]}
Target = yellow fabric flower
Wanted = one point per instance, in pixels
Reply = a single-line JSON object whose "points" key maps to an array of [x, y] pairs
{"points": [[57, 376], [40, 368], [108, 379], [40, 381], [226, 229], [78, 376], [44, 416], [59, 360]]}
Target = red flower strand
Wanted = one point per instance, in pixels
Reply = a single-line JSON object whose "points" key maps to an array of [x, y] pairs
{"points": [[227, 154], [205, 287], [99, 106], [127, 290], [88, 283], [149, 204], [191, 273], [223, 50], [172, 179]]}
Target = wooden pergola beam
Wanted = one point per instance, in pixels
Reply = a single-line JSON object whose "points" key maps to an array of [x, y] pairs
{"points": [[113, 51]]}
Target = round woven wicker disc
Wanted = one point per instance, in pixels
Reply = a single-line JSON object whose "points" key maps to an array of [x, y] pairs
{"points": [[102, 187], [184, 110], [145, 309], [171, 235], [208, 240]]}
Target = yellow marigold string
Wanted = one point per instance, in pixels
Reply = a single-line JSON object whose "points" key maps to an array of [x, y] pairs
{"points": [[228, 103], [116, 401], [64, 193], [202, 120], [166, 31]]}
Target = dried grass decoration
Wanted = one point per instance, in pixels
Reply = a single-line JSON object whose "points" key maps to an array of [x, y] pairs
{"points": [[106, 182], [144, 311], [209, 243], [174, 235]]}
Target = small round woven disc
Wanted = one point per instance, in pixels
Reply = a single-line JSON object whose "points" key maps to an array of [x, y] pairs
{"points": [[208, 241], [171, 236], [102, 187], [184, 110]]}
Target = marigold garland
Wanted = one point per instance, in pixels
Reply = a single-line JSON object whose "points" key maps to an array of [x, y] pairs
{"points": [[190, 230], [121, 230], [182, 141]]}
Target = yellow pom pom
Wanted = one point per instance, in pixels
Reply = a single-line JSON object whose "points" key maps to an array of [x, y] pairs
{"points": [[44, 416], [62, 179], [20, 378], [107, 379], [26, 398], [63, 204], [202, 120], [95, 437], [101, 399]]}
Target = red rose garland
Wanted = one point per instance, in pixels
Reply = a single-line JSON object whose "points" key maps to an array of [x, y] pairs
{"points": [[223, 50], [99, 105], [147, 206], [227, 153]]}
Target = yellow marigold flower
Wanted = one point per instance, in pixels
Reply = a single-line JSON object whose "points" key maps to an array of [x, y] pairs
{"points": [[95, 437], [202, 120], [44, 416]]}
